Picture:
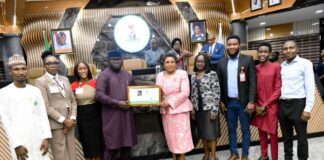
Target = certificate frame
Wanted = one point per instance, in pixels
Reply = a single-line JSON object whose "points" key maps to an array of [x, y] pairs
{"points": [[139, 96]]}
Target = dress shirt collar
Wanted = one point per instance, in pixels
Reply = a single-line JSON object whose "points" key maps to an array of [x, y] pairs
{"points": [[236, 58], [51, 76], [296, 59]]}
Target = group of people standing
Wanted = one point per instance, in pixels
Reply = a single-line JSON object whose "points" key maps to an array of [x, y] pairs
{"points": [[255, 95]]}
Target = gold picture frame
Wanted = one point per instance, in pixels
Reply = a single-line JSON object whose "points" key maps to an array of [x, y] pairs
{"points": [[139, 96]]}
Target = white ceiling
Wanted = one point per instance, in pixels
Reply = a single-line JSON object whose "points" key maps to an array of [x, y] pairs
{"points": [[306, 13]]}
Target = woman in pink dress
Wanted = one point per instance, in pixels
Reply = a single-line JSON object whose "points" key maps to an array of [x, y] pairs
{"points": [[175, 107]]}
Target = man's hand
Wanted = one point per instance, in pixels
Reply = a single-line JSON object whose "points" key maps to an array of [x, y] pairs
{"points": [[21, 152], [44, 146], [123, 105], [222, 107], [305, 116], [249, 108], [260, 111]]}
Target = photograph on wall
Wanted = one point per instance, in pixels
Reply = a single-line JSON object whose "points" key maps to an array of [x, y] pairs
{"points": [[255, 5], [197, 31], [62, 42], [273, 2]]}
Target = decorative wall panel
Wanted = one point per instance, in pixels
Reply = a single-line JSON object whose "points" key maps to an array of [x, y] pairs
{"points": [[89, 23]]}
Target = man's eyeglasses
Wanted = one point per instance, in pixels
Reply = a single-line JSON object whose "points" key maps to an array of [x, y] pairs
{"points": [[52, 63]]}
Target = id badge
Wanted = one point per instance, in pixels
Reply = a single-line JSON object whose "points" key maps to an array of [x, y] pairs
{"points": [[242, 77], [53, 89], [79, 91]]}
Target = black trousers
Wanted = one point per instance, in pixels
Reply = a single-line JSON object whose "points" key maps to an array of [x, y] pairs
{"points": [[290, 117]]}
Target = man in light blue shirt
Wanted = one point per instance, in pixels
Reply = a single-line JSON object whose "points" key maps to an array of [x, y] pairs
{"points": [[296, 101], [236, 74]]}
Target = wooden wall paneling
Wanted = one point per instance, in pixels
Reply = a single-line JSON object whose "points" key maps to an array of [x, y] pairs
{"points": [[278, 31], [89, 23], [309, 46]]}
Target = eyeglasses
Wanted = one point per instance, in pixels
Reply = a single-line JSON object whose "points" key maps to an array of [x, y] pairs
{"points": [[52, 63]]}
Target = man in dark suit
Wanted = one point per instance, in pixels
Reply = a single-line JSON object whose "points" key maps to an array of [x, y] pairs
{"points": [[214, 50], [237, 79]]}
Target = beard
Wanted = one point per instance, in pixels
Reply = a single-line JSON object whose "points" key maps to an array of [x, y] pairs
{"points": [[232, 56]]}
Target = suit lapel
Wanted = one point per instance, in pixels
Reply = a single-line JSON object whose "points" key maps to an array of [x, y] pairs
{"points": [[51, 81], [239, 65]]}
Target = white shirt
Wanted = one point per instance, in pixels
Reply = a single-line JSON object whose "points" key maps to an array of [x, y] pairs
{"points": [[25, 120], [298, 81]]}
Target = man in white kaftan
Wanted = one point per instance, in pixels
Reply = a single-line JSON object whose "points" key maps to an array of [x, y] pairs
{"points": [[23, 114]]}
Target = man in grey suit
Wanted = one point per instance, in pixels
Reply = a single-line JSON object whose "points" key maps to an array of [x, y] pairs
{"points": [[61, 109], [236, 74]]}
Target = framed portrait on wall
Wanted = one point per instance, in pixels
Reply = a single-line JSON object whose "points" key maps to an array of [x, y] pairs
{"points": [[273, 3], [255, 5], [62, 42], [197, 29]]}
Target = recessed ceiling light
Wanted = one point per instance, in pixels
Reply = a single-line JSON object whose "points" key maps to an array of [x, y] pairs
{"points": [[271, 35], [316, 23], [268, 29], [319, 11], [291, 33], [262, 23]]}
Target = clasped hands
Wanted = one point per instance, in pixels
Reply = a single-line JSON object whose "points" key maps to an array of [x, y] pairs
{"points": [[68, 125]]}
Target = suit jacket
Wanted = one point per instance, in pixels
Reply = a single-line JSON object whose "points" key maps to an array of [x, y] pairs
{"points": [[176, 90], [209, 90], [57, 104], [247, 89], [217, 54]]}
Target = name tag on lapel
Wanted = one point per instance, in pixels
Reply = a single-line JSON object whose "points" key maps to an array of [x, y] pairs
{"points": [[53, 89]]}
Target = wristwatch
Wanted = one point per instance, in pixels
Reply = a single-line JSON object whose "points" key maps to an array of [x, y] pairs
{"points": [[262, 108]]}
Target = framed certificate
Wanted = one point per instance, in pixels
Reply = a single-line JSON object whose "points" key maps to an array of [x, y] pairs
{"points": [[144, 95]]}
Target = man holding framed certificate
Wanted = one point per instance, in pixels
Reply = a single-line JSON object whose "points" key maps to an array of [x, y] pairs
{"points": [[117, 118]]}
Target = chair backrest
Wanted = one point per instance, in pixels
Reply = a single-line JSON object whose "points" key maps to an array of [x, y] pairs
{"points": [[131, 64], [253, 53], [33, 74]]}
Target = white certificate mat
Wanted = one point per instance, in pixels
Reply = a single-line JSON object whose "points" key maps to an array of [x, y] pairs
{"points": [[144, 95]]}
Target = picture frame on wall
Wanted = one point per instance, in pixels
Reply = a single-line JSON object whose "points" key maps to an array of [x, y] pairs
{"points": [[197, 31], [62, 41], [255, 5], [273, 3]]}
